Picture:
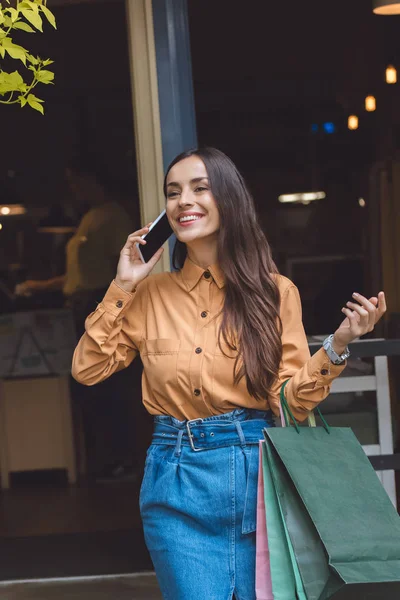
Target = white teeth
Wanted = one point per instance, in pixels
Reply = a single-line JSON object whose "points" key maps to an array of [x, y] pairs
{"points": [[189, 218]]}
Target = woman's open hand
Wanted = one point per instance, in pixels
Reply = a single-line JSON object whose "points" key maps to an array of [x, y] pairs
{"points": [[131, 269], [361, 317]]}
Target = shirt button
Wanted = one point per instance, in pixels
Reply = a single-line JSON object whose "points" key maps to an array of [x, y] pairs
{"points": [[198, 350], [119, 304], [204, 314], [207, 274], [324, 371], [197, 392]]}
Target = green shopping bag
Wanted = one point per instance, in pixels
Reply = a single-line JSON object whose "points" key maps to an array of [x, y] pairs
{"points": [[285, 574], [343, 528]]}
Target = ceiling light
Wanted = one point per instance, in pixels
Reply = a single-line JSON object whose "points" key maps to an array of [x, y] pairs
{"points": [[370, 103], [386, 7], [391, 74], [352, 122], [305, 198], [12, 210]]}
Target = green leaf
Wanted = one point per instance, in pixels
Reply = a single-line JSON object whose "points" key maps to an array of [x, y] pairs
{"points": [[24, 26], [7, 21], [14, 14], [35, 103], [23, 100], [45, 76], [49, 15], [17, 52], [34, 18], [35, 98], [1, 17], [47, 62], [11, 82], [2, 52], [30, 5], [32, 59], [16, 78]]}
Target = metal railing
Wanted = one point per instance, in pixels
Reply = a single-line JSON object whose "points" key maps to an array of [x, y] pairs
{"points": [[381, 454]]}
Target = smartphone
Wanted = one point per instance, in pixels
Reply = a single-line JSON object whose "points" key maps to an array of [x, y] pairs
{"points": [[160, 230]]}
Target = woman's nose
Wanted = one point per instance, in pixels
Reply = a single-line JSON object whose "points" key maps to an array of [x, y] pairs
{"points": [[185, 199]]}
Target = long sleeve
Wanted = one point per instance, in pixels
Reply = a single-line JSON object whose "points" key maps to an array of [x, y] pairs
{"points": [[113, 335], [310, 377]]}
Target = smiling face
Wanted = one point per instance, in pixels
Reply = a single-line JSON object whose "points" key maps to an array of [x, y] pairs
{"points": [[191, 207]]}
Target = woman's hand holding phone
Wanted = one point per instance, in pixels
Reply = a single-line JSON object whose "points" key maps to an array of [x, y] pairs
{"points": [[131, 269]]}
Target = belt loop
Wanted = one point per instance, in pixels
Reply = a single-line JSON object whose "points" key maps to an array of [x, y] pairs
{"points": [[240, 434], [178, 447]]}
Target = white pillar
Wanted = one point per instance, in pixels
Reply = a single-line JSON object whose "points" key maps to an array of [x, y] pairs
{"points": [[146, 113]]}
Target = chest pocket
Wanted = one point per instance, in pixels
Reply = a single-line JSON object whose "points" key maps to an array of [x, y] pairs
{"points": [[160, 363]]}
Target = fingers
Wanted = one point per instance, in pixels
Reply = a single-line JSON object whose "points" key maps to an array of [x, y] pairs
{"points": [[136, 238], [381, 304], [139, 232], [367, 313], [359, 318], [364, 302], [351, 315], [375, 306]]}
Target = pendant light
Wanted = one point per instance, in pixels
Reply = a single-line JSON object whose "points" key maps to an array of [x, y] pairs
{"points": [[386, 7], [370, 103], [352, 122], [391, 74]]}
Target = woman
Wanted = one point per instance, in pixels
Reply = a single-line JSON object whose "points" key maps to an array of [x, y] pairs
{"points": [[217, 339]]}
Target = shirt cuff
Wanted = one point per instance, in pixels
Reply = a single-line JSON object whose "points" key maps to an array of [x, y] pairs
{"points": [[117, 300], [322, 370]]}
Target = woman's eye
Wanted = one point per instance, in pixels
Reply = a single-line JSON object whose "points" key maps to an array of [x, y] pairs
{"points": [[200, 189], [172, 194]]}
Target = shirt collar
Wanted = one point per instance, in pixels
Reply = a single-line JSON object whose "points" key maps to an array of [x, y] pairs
{"points": [[192, 274]]}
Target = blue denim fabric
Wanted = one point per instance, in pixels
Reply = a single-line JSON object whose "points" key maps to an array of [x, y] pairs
{"points": [[198, 503]]}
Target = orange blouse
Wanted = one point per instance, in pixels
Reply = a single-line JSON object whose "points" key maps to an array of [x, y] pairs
{"points": [[172, 321]]}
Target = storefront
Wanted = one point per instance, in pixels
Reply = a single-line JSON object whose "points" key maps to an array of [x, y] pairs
{"points": [[56, 523], [67, 527]]}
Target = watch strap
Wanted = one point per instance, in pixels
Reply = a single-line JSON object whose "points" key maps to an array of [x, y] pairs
{"points": [[335, 358]]}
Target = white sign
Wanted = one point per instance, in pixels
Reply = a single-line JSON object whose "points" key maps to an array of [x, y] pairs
{"points": [[39, 342]]}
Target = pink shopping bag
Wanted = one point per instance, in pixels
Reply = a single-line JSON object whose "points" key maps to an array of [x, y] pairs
{"points": [[263, 570]]}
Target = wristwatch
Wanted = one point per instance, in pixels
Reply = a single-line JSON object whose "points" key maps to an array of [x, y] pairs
{"points": [[335, 358]]}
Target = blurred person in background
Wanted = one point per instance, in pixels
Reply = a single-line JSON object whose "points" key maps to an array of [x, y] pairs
{"points": [[92, 254]]}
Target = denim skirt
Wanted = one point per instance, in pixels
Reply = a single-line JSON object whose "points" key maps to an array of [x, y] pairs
{"points": [[198, 503]]}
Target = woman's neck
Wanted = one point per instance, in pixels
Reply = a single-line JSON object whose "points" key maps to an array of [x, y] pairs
{"points": [[203, 252]]}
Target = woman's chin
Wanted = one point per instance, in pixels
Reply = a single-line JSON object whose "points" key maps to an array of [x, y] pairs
{"points": [[186, 236]]}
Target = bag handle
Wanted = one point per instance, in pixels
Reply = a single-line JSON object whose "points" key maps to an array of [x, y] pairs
{"points": [[286, 413]]}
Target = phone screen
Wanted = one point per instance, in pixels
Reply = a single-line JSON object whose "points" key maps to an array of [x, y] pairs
{"points": [[159, 233]]}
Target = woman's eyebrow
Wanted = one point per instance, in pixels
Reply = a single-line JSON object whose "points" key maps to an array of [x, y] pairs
{"points": [[195, 180], [198, 179]]}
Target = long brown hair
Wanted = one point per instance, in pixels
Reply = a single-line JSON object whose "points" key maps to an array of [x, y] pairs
{"points": [[250, 318]]}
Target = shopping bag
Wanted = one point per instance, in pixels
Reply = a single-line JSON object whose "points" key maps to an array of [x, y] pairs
{"points": [[263, 567], [343, 528], [286, 581], [278, 577]]}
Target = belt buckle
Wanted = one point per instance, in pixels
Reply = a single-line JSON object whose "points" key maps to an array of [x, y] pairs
{"points": [[190, 435]]}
